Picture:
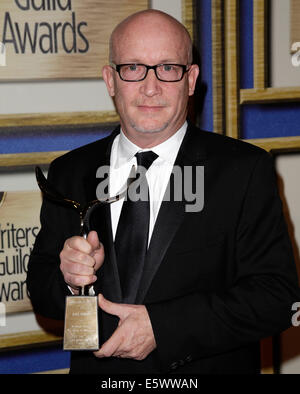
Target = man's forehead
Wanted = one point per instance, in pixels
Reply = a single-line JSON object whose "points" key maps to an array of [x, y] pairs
{"points": [[161, 46], [147, 20]]}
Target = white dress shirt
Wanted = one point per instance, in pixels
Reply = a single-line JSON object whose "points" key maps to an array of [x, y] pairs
{"points": [[122, 159]]}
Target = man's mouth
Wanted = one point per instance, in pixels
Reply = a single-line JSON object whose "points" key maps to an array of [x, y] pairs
{"points": [[150, 108]]}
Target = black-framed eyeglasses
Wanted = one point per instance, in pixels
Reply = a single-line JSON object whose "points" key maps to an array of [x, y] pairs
{"points": [[135, 72]]}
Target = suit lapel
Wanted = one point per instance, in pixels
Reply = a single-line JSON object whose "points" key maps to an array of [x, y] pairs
{"points": [[171, 213]]}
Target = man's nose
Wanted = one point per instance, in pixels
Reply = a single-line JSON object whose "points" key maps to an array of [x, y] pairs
{"points": [[151, 85]]}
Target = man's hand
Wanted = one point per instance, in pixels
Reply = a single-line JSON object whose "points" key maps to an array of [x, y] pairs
{"points": [[80, 259], [134, 336]]}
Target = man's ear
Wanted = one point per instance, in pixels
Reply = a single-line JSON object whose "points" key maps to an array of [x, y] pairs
{"points": [[192, 78], [107, 74]]}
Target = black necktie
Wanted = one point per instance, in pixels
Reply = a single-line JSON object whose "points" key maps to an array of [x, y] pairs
{"points": [[131, 239]]}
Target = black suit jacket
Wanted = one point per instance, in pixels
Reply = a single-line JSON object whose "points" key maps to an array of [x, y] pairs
{"points": [[215, 281]]}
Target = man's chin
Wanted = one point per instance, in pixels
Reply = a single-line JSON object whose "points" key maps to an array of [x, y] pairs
{"points": [[150, 129]]}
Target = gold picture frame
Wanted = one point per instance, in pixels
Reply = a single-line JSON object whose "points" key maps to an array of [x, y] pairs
{"points": [[227, 103]]}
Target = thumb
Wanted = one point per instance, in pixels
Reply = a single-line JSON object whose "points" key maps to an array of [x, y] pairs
{"points": [[97, 249], [110, 307], [93, 240]]}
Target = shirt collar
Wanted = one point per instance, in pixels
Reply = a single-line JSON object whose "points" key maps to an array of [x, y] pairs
{"points": [[167, 150]]}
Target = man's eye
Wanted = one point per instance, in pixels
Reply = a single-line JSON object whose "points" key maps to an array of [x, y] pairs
{"points": [[168, 67], [133, 67]]}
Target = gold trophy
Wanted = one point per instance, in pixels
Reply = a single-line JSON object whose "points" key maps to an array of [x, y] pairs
{"points": [[81, 312]]}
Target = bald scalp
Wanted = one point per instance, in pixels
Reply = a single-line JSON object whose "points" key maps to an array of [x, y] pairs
{"points": [[145, 17]]}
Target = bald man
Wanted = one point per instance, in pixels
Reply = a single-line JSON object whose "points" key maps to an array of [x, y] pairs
{"points": [[182, 287]]}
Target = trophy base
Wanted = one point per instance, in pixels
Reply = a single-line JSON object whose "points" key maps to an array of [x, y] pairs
{"points": [[81, 323]]}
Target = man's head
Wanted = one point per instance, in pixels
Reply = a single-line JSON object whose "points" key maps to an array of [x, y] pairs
{"points": [[151, 110]]}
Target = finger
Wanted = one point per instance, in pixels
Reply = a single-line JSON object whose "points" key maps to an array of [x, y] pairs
{"points": [[75, 268], [98, 256], [76, 273], [98, 249], [111, 346], [112, 308], [76, 281], [80, 244], [74, 256]]}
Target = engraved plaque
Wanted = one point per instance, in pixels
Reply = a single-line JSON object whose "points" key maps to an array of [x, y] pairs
{"points": [[81, 323]]}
